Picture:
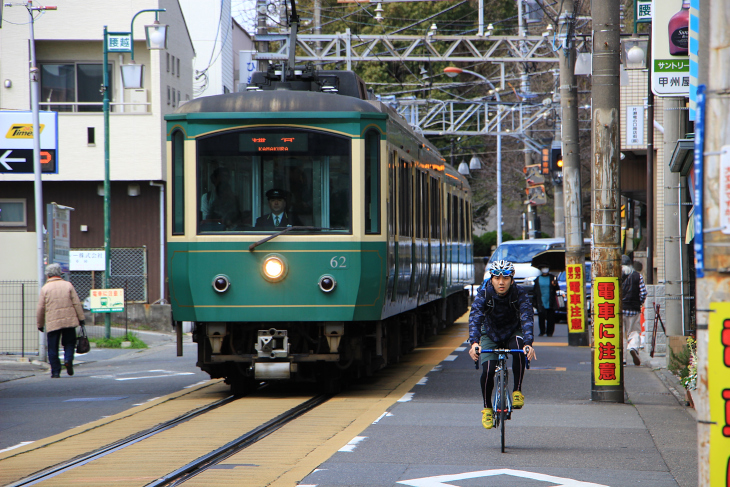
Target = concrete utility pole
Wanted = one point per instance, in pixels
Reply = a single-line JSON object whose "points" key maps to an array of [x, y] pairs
{"points": [[606, 204], [714, 286], [674, 116], [572, 184]]}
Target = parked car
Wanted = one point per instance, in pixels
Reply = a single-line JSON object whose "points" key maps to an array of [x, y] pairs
{"points": [[561, 315]]}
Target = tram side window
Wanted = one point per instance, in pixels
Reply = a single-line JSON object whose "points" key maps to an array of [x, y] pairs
{"points": [[406, 201], [178, 186], [454, 218], [419, 204], [462, 233], [392, 203], [435, 223], [372, 182]]}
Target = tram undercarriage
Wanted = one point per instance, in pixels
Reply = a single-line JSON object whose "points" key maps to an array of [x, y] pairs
{"points": [[329, 354]]}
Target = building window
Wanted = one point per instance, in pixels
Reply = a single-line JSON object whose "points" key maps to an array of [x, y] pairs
{"points": [[73, 87], [173, 65], [167, 56], [168, 95], [90, 136], [178, 67], [179, 98], [173, 98], [12, 212]]}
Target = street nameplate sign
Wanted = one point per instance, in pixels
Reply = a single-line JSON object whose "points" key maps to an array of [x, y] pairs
{"points": [[119, 42]]}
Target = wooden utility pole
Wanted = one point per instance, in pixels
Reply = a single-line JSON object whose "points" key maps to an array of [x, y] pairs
{"points": [[607, 382], [572, 184]]}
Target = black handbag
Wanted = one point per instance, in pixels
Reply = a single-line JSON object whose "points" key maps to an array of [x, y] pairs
{"points": [[82, 342]]}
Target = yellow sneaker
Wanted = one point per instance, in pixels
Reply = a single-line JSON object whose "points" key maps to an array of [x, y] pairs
{"points": [[487, 415], [518, 400]]}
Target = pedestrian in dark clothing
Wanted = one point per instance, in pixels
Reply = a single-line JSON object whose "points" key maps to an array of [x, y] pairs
{"points": [[633, 295], [545, 301], [59, 311]]}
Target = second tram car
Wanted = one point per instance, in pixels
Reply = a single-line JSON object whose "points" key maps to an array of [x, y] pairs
{"points": [[371, 251]]}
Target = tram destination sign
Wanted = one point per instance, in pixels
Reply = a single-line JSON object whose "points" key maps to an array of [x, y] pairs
{"points": [[273, 142]]}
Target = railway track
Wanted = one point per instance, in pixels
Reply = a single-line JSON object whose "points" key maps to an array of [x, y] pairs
{"points": [[192, 468]]}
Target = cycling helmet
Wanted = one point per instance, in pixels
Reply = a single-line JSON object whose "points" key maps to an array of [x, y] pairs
{"points": [[502, 268]]}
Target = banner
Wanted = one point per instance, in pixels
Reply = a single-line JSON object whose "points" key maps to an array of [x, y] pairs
{"points": [[576, 298], [606, 332], [718, 385]]}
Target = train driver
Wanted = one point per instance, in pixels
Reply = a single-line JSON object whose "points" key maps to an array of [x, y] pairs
{"points": [[278, 217]]}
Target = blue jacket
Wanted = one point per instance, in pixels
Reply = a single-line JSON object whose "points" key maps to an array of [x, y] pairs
{"points": [[509, 314]]}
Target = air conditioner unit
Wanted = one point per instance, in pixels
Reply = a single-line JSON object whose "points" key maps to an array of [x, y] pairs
{"points": [[139, 98]]}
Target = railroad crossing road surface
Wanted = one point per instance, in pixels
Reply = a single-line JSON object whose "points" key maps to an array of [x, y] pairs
{"points": [[433, 437]]}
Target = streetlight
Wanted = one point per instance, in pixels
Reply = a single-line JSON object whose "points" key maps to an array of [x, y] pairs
{"points": [[452, 72], [122, 42]]}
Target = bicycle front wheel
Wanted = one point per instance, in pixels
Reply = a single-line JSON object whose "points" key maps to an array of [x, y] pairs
{"points": [[502, 404]]}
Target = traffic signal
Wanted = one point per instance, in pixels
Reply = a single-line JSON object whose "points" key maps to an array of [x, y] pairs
{"points": [[556, 159], [545, 163]]}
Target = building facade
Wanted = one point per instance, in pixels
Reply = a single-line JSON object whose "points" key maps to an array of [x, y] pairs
{"points": [[69, 54]]}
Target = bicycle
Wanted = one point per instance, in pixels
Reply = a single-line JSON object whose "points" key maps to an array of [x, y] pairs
{"points": [[502, 403]]}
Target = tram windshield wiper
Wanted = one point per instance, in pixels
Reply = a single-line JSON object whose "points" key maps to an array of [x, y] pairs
{"points": [[286, 230]]}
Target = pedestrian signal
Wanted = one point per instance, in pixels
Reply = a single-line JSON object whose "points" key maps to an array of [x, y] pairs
{"points": [[533, 175], [536, 195]]}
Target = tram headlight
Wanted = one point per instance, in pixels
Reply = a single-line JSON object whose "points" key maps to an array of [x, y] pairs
{"points": [[274, 268]]}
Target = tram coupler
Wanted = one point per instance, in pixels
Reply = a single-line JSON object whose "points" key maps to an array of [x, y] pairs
{"points": [[272, 343], [333, 332], [216, 333]]}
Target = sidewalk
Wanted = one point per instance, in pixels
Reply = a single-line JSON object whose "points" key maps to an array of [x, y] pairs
{"points": [[14, 367]]}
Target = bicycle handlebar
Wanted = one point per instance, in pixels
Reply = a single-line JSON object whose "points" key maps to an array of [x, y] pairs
{"points": [[501, 350]]}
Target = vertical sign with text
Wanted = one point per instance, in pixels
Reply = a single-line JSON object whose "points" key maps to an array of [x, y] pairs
{"points": [[635, 125], [718, 385], [576, 298], [606, 332]]}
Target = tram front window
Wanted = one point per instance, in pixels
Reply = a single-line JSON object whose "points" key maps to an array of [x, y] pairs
{"points": [[263, 180]]}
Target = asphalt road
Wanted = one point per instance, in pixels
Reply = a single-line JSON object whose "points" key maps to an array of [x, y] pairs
{"points": [[435, 437], [105, 382]]}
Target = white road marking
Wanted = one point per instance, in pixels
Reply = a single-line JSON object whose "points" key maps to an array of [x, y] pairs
{"points": [[148, 400], [459, 349], [451, 358], [22, 443], [436, 368], [384, 415], [422, 382], [196, 384], [161, 374], [352, 444], [407, 397], [440, 480]]}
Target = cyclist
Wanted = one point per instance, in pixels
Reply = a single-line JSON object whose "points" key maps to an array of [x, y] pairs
{"points": [[501, 317]]}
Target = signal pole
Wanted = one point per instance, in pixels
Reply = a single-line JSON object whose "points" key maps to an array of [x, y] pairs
{"points": [[572, 184], [607, 381]]}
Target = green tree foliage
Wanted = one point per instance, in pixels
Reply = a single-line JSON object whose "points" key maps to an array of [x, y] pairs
{"points": [[483, 243]]}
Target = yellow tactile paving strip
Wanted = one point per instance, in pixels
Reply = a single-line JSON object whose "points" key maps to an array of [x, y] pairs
{"points": [[24, 461], [287, 456], [281, 459]]}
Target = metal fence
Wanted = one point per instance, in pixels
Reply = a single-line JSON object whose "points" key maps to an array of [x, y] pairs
{"points": [[128, 270], [18, 331]]}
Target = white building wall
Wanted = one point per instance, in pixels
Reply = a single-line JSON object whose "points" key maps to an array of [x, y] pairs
{"points": [[22, 265], [210, 30]]}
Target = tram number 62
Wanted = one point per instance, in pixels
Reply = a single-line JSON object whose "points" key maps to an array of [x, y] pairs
{"points": [[338, 262]]}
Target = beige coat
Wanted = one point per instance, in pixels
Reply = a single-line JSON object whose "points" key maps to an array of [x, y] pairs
{"points": [[58, 306]]}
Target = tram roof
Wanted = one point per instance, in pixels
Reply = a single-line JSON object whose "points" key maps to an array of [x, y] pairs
{"points": [[276, 101]]}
